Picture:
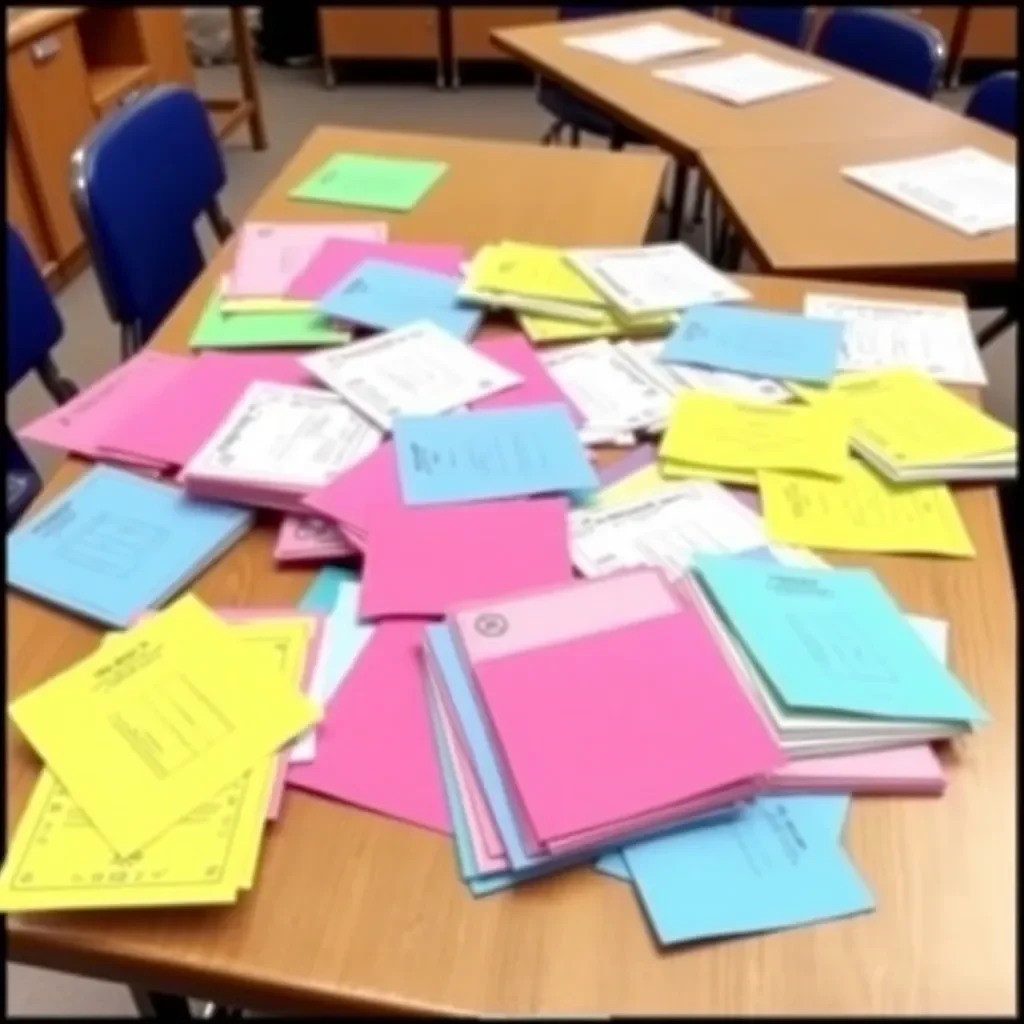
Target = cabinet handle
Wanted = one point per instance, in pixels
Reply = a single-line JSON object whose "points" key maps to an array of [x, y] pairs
{"points": [[44, 49]]}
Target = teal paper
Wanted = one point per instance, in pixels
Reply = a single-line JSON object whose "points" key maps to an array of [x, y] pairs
{"points": [[833, 640], [782, 346]]}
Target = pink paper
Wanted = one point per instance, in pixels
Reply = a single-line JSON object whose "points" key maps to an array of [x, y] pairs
{"points": [[351, 496], [336, 259], [616, 721], [79, 425], [269, 256], [515, 353], [305, 538], [375, 746], [914, 769], [177, 420], [421, 560]]}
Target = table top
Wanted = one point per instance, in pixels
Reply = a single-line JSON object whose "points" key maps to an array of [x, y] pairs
{"points": [[684, 122], [799, 215], [353, 910]]}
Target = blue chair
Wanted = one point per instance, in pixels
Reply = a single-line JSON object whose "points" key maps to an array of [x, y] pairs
{"points": [[789, 25], [33, 329], [888, 45], [140, 181], [994, 101]]}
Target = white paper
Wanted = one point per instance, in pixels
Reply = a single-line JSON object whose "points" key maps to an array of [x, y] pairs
{"points": [[418, 369], [934, 339], [595, 434], [654, 278], [664, 530], [965, 189], [280, 434], [638, 43], [743, 78]]}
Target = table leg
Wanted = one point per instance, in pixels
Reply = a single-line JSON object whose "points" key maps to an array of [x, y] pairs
{"points": [[161, 1006], [329, 79], [247, 72]]}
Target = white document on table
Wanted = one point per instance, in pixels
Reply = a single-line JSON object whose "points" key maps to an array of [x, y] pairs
{"points": [[743, 78], [664, 530], [966, 189], [281, 434], [654, 278], [879, 335], [639, 43], [610, 391], [419, 369]]}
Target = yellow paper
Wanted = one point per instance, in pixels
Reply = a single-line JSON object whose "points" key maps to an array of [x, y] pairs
{"points": [[863, 512], [265, 304], [641, 484], [547, 330], [158, 720], [540, 271], [716, 431], [687, 471], [57, 859]]}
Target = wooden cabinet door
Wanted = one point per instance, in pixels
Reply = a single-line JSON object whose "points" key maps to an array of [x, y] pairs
{"points": [[472, 27], [410, 32], [21, 211], [991, 33], [162, 30]]}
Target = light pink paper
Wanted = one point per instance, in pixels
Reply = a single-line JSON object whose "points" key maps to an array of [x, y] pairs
{"points": [[914, 769], [617, 724], [269, 256], [79, 425], [305, 538], [375, 746], [338, 258], [515, 353], [177, 420]]}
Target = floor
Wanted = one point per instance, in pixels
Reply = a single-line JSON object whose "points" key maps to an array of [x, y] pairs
{"points": [[295, 101]]}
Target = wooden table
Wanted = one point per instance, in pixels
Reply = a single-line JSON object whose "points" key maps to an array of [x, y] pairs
{"points": [[797, 214], [354, 911]]}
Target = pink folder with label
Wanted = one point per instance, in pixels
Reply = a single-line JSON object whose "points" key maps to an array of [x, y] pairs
{"points": [[904, 770], [375, 747], [612, 703], [304, 538], [269, 255], [422, 560], [338, 258]]}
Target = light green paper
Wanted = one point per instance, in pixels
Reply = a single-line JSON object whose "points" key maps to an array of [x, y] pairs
{"points": [[383, 183], [263, 330]]}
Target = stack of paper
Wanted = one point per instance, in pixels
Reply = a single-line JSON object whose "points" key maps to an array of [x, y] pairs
{"points": [[833, 661], [640, 43], [158, 793], [304, 538], [743, 78], [278, 443], [114, 544]]}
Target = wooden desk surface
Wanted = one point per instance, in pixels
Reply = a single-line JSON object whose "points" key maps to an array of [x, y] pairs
{"points": [[799, 214], [684, 122], [354, 910]]}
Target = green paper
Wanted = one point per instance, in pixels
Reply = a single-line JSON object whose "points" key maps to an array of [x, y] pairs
{"points": [[263, 330], [384, 183]]}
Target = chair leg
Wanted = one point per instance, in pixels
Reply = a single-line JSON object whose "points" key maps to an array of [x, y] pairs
{"points": [[991, 331], [553, 134], [574, 135], [131, 340], [699, 200], [677, 202], [59, 388], [219, 221]]}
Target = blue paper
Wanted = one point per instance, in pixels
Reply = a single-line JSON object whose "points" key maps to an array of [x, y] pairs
{"points": [[499, 453], [613, 864], [322, 593], [389, 295], [756, 342], [777, 864], [115, 544], [834, 640]]}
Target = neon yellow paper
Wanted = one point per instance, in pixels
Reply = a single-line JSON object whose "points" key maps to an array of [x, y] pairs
{"points": [[159, 720], [688, 471], [266, 304], [641, 484], [727, 433], [863, 512], [547, 330], [540, 271]]}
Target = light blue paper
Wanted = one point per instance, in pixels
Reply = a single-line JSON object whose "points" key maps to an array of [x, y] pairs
{"points": [[782, 346], [494, 453], [115, 544], [777, 864], [388, 295], [834, 640]]}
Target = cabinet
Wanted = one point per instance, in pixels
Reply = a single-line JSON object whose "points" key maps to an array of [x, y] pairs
{"points": [[471, 29], [379, 33]]}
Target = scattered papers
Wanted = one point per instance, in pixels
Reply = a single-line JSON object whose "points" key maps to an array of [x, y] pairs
{"points": [[742, 79], [383, 183], [217, 329], [965, 189], [904, 770], [311, 539], [640, 43], [881, 335], [544, 330]]}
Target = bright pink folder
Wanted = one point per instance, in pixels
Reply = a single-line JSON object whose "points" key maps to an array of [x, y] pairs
{"points": [[304, 538], [79, 425], [422, 560], [351, 496], [904, 770], [177, 420], [375, 746], [338, 258], [611, 702], [270, 255]]}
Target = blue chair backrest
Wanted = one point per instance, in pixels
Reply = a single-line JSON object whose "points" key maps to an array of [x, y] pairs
{"points": [[141, 179], [33, 324], [995, 100], [789, 25], [887, 45]]}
